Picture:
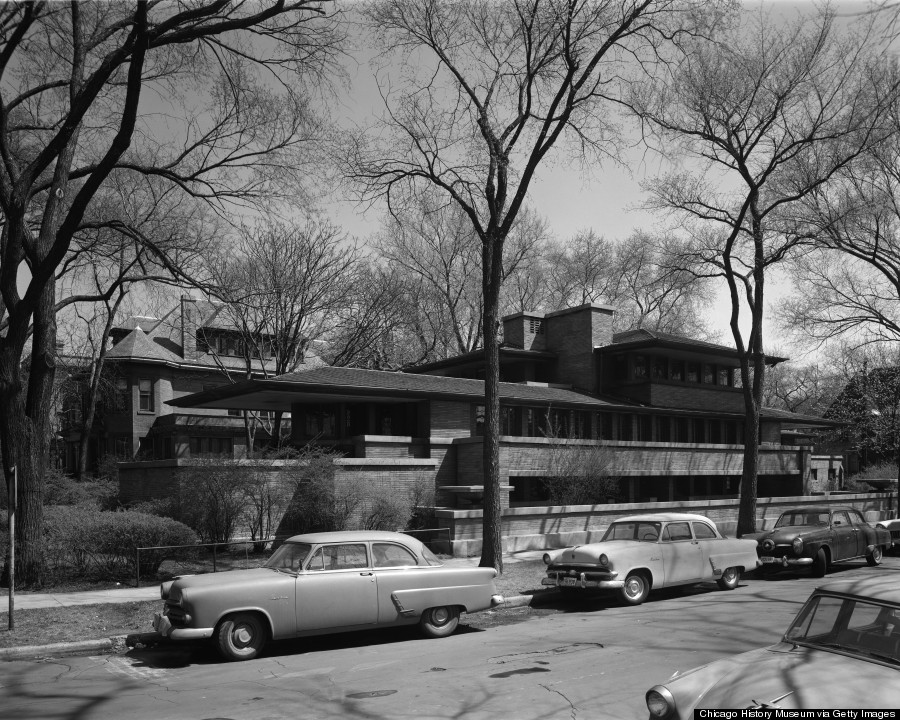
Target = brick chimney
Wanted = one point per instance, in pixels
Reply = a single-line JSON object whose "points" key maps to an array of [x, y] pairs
{"points": [[190, 321], [525, 330], [573, 334]]}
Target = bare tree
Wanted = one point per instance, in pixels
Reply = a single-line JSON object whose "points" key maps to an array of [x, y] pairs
{"points": [[89, 88], [486, 92], [771, 112], [283, 286]]}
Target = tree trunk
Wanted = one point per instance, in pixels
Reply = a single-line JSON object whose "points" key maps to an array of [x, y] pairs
{"points": [[492, 543]]}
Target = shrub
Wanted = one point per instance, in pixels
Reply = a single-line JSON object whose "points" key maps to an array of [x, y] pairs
{"points": [[85, 540], [62, 489]]}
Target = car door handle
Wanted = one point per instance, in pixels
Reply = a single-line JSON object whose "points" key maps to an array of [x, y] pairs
{"points": [[366, 573]]}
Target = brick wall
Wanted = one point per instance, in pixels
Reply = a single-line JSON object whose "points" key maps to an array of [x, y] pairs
{"points": [[695, 397], [572, 335], [450, 419], [553, 527]]}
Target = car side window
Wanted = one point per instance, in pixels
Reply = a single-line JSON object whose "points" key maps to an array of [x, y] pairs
{"points": [[339, 557], [387, 555], [856, 518], [840, 518], [702, 531], [676, 531]]}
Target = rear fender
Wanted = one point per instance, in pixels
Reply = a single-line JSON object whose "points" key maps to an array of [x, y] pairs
{"points": [[413, 602]]}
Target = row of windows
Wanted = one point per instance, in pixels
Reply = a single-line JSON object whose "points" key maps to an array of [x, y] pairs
{"points": [[232, 345], [659, 367], [578, 424]]}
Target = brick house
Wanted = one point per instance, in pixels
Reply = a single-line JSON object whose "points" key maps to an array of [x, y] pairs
{"points": [[665, 410], [153, 361]]}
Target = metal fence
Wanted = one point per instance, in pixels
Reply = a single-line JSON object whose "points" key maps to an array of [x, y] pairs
{"points": [[196, 559]]}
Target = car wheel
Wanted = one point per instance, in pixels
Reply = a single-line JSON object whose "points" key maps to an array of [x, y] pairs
{"points": [[635, 590], [874, 557], [730, 579], [820, 563], [439, 622], [241, 636]]}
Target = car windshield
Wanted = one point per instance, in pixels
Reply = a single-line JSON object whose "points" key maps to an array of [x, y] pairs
{"points": [[289, 556], [634, 530], [802, 517], [859, 627]]}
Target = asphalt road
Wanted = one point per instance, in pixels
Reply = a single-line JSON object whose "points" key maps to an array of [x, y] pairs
{"points": [[588, 659]]}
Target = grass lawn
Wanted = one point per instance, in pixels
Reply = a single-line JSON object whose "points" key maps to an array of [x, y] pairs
{"points": [[89, 622]]}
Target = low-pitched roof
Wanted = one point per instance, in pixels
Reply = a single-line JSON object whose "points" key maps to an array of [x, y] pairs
{"points": [[642, 337], [136, 345]]}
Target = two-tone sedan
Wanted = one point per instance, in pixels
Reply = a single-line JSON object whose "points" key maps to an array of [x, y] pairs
{"points": [[322, 583], [893, 527], [815, 536], [841, 651], [641, 553]]}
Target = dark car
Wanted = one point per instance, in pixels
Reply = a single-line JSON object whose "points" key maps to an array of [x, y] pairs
{"points": [[816, 536]]}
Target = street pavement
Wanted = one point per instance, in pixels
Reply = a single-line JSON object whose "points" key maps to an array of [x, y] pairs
{"points": [[587, 659]]}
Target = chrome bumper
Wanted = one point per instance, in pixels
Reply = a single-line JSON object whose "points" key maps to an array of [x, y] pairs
{"points": [[786, 562], [163, 626], [582, 582], [496, 600]]}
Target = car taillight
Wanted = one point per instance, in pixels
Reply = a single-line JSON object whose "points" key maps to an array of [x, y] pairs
{"points": [[660, 702]]}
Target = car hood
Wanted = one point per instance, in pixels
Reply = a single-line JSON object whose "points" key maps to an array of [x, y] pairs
{"points": [[784, 535], [224, 579], [787, 676], [589, 553]]}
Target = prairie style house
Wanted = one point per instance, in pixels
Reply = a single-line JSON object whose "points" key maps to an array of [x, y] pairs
{"points": [[194, 347], [664, 410]]}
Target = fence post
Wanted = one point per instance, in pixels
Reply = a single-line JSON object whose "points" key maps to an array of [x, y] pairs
{"points": [[137, 567]]}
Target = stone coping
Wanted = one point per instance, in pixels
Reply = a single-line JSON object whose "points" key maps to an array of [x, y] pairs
{"points": [[636, 508], [388, 462]]}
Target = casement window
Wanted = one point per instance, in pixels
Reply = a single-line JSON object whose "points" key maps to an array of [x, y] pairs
{"points": [[120, 396], [145, 396]]}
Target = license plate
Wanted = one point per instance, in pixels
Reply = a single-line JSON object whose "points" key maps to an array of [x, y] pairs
{"points": [[768, 560], [569, 581]]}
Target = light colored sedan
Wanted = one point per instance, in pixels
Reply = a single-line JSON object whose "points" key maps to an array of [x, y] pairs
{"points": [[323, 583], [641, 553], [841, 651]]}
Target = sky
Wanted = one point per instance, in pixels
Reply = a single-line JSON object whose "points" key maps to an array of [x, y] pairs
{"points": [[606, 199]]}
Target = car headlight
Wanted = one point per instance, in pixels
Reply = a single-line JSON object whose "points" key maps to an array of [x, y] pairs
{"points": [[604, 561], [797, 544], [547, 559], [660, 702]]}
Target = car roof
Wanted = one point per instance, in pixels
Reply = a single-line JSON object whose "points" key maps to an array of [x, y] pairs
{"points": [[883, 589], [818, 508], [354, 536], [663, 517]]}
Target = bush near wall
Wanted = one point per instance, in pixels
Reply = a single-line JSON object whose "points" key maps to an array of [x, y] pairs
{"points": [[85, 542]]}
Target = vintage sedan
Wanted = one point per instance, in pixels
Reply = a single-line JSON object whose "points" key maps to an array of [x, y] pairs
{"points": [[816, 536], [323, 583], [893, 527], [646, 552], [841, 651]]}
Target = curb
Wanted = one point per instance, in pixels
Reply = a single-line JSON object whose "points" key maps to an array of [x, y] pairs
{"points": [[63, 648]]}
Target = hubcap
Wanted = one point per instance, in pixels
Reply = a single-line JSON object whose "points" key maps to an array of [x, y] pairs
{"points": [[634, 587], [243, 636], [729, 575], [440, 616]]}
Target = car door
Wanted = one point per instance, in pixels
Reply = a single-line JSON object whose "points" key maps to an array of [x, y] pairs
{"points": [[844, 535], [682, 555], [337, 589], [708, 541], [862, 531], [396, 568]]}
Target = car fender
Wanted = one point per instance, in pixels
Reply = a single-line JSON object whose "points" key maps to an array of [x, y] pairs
{"points": [[250, 609], [746, 560], [415, 601]]}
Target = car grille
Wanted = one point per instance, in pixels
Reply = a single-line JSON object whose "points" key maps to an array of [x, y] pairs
{"points": [[591, 572], [176, 615]]}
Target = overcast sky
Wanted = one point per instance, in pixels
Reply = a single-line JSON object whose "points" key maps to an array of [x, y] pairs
{"points": [[606, 199]]}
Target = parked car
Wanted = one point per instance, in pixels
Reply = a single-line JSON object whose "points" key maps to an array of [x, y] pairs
{"points": [[323, 583], [641, 553], [816, 536], [893, 527], [841, 651]]}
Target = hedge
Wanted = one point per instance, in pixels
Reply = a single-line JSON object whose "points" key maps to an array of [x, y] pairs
{"points": [[83, 540]]}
